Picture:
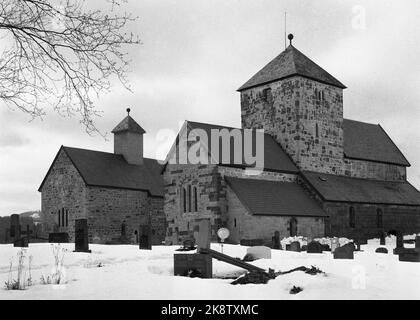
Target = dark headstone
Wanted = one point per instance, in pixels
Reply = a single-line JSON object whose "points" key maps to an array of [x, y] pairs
{"points": [[314, 247], [381, 250], [276, 240], [252, 242], [15, 227], [22, 242], [304, 248], [325, 247], [409, 255], [287, 247], [197, 265], [344, 252], [295, 246], [145, 237], [81, 238], [400, 243], [382, 238], [58, 237]]}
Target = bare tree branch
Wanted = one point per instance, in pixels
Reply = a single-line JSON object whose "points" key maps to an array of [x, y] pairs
{"points": [[61, 56]]}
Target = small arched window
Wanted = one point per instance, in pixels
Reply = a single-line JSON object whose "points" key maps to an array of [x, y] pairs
{"points": [[189, 198], [67, 218], [59, 218], [195, 199], [379, 218], [184, 200], [316, 94], [234, 222], [316, 130], [352, 217]]}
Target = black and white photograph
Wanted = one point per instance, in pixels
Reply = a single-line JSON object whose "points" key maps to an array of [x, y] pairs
{"points": [[196, 150]]}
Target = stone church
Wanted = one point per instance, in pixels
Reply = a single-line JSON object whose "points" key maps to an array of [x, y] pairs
{"points": [[322, 174], [116, 192]]}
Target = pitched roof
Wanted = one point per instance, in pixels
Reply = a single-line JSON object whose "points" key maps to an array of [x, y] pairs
{"points": [[289, 63], [273, 198], [104, 169], [367, 141], [128, 124], [275, 158], [346, 189]]}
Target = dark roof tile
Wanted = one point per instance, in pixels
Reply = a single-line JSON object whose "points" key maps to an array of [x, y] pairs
{"points": [[274, 198]]}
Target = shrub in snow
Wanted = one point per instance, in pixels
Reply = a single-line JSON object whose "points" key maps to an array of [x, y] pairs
{"points": [[295, 290], [58, 274], [20, 282]]}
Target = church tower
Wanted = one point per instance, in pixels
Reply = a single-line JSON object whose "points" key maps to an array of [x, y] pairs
{"points": [[301, 106], [128, 140]]}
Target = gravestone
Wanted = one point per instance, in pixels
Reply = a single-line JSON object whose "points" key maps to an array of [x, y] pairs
{"points": [[58, 237], [276, 240], [81, 237], [417, 243], [204, 234], [314, 247], [295, 246], [409, 255], [259, 252], [325, 247], [22, 242], [381, 250], [189, 244], [400, 243], [197, 265], [382, 238], [15, 227], [145, 237], [344, 252]]}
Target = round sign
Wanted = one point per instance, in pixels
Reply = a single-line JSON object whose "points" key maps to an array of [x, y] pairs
{"points": [[223, 233]]}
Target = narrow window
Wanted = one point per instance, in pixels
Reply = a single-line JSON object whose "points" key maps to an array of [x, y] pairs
{"points": [[59, 218], [189, 198], [352, 218], [266, 94], [234, 222], [195, 199], [184, 199], [67, 218], [322, 95], [379, 218], [316, 130], [62, 217], [316, 94]]}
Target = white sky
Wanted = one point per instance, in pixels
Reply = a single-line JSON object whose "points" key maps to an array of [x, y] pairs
{"points": [[196, 53]]}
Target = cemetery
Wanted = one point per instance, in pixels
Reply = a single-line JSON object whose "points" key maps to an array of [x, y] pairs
{"points": [[292, 268]]}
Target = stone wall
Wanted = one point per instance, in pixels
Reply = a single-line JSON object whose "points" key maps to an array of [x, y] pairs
{"points": [[245, 226], [401, 218], [308, 128], [63, 188], [115, 215], [374, 170], [206, 179]]}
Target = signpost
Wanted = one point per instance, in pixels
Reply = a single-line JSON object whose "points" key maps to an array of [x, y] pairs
{"points": [[223, 234]]}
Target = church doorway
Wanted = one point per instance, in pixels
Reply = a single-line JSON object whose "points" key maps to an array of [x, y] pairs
{"points": [[293, 227]]}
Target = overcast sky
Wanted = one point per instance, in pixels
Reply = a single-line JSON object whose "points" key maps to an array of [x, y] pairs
{"points": [[195, 54]]}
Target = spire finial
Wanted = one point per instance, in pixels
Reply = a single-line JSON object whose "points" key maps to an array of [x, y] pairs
{"points": [[128, 111], [290, 37]]}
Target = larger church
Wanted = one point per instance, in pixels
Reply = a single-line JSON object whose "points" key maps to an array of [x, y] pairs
{"points": [[323, 175]]}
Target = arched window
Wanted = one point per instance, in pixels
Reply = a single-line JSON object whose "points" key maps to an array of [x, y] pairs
{"points": [[322, 95], [316, 94], [189, 198], [379, 218], [195, 199], [67, 218], [352, 218], [63, 221], [59, 218], [184, 200], [234, 222], [316, 130]]}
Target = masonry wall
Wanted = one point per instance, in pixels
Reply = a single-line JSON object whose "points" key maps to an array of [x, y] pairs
{"points": [[405, 219], [206, 179], [374, 170], [245, 226], [309, 129], [115, 215], [63, 188]]}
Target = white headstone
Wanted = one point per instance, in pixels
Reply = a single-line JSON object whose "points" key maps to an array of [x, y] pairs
{"points": [[259, 252]]}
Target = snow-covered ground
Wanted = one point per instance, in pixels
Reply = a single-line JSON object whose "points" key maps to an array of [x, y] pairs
{"points": [[125, 272]]}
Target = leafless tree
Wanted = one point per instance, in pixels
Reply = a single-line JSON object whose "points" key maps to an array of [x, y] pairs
{"points": [[61, 55]]}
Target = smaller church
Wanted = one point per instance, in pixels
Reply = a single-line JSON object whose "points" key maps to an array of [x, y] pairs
{"points": [[116, 192]]}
